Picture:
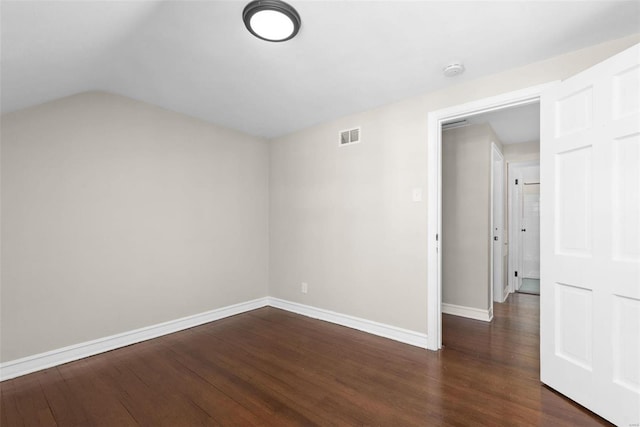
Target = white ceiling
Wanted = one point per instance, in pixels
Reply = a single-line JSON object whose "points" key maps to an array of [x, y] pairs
{"points": [[197, 58], [512, 125]]}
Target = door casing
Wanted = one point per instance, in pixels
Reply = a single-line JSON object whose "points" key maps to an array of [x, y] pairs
{"points": [[496, 256], [434, 191]]}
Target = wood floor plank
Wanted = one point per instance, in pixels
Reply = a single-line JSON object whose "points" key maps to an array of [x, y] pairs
{"points": [[310, 374], [267, 379], [32, 404], [147, 404], [269, 367], [242, 386], [61, 398], [102, 404], [9, 413]]}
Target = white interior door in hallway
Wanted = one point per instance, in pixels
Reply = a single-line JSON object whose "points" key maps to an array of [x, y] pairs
{"points": [[590, 238], [524, 222], [530, 231]]}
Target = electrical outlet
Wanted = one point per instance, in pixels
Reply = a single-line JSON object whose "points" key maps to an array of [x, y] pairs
{"points": [[304, 288]]}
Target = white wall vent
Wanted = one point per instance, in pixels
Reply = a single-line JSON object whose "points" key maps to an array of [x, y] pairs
{"points": [[455, 124], [350, 136]]}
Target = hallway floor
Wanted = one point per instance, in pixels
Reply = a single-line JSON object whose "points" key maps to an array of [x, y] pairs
{"points": [[530, 286]]}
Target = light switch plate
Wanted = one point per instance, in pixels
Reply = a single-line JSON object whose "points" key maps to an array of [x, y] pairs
{"points": [[417, 194]]}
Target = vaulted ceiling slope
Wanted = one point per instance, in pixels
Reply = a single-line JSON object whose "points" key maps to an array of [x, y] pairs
{"points": [[197, 58]]}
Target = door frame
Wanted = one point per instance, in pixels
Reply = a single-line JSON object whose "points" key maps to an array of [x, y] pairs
{"points": [[513, 220], [434, 191], [495, 150]]}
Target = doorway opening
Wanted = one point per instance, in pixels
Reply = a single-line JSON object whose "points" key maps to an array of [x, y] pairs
{"points": [[524, 226], [476, 240], [527, 98]]}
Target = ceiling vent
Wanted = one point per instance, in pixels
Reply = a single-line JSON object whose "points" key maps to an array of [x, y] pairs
{"points": [[350, 136], [455, 124]]}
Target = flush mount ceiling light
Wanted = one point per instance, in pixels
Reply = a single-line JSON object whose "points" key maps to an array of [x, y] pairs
{"points": [[271, 20]]}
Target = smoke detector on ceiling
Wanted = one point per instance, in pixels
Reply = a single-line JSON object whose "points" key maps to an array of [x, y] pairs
{"points": [[453, 69]]}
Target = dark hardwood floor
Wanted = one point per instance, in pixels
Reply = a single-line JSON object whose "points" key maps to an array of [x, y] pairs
{"points": [[271, 367]]}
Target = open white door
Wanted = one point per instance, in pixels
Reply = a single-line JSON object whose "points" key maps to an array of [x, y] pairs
{"points": [[590, 238], [497, 223]]}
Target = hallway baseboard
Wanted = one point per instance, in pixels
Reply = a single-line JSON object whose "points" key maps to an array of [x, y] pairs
{"points": [[468, 312]]}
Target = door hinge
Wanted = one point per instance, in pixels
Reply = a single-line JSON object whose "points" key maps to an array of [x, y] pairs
{"points": [[516, 182], [515, 273], [436, 237]]}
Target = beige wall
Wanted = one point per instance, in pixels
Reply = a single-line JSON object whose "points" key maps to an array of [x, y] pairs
{"points": [[466, 220], [342, 218], [118, 215], [523, 152]]}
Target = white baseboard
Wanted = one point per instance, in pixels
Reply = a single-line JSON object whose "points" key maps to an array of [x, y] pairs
{"points": [[392, 332], [37, 362], [505, 294], [469, 312]]}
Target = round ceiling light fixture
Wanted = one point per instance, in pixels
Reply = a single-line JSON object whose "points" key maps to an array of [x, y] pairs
{"points": [[271, 20]]}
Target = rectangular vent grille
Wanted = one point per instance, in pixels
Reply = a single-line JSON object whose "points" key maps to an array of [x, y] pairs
{"points": [[350, 136], [455, 124]]}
